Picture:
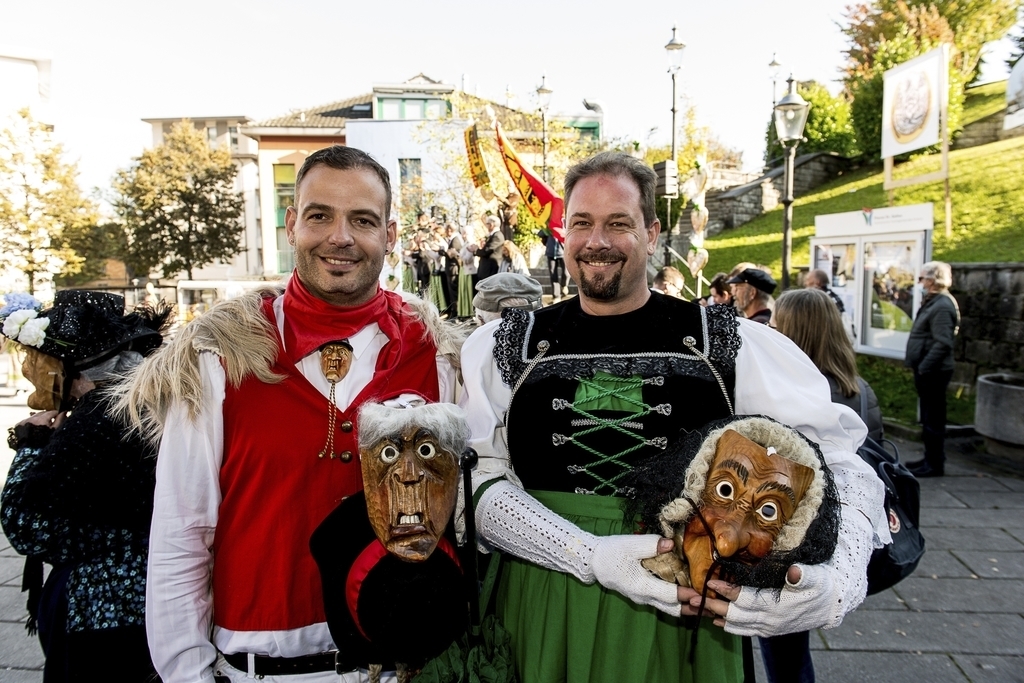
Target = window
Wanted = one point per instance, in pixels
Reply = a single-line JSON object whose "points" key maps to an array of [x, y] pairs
{"points": [[285, 253], [284, 190], [413, 110], [211, 135], [391, 109], [233, 134]]}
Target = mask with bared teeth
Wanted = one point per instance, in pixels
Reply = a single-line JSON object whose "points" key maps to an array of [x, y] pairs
{"points": [[409, 459]]}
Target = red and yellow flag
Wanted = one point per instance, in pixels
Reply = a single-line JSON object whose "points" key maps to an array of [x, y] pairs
{"points": [[477, 167], [543, 202]]}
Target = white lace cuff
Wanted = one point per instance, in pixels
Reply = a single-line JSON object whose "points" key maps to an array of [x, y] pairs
{"points": [[510, 519], [822, 597]]}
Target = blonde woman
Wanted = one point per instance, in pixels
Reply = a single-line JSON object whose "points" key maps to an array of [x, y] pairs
{"points": [[512, 259], [812, 321], [809, 318], [930, 356]]}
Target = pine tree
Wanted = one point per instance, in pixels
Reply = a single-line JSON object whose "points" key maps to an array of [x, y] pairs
{"points": [[178, 205]]}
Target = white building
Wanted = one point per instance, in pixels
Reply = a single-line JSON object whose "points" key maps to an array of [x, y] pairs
{"points": [[225, 131]]}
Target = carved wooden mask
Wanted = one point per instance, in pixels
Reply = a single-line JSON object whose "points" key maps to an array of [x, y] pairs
{"points": [[335, 360], [46, 374], [411, 484], [749, 496]]}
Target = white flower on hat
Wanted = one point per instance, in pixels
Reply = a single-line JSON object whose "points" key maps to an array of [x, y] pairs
{"points": [[33, 332], [14, 322]]}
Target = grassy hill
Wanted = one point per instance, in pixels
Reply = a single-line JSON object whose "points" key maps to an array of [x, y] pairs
{"points": [[988, 225], [984, 100], [988, 210]]}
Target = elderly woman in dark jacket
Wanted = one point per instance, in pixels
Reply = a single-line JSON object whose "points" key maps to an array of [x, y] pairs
{"points": [[930, 355], [79, 495]]}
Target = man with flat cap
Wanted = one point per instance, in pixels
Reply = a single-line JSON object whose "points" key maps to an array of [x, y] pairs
{"points": [[506, 290], [751, 294]]}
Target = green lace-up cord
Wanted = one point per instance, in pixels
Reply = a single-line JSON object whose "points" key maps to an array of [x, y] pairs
{"points": [[626, 384]]}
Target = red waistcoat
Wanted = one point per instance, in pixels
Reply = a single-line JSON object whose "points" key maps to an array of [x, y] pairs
{"points": [[276, 491]]}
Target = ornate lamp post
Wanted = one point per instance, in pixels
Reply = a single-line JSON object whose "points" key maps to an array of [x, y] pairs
{"points": [[674, 50], [544, 98], [790, 118], [774, 67]]}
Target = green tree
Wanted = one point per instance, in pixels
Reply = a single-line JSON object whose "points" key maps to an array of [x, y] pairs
{"points": [[95, 244], [178, 205], [40, 203], [829, 125]]}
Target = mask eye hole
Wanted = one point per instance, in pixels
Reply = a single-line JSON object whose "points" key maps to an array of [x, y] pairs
{"points": [[724, 490], [389, 454], [426, 451], [769, 512]]}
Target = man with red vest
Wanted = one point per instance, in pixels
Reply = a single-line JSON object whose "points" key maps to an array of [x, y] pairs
{"points": [[257, 401]]}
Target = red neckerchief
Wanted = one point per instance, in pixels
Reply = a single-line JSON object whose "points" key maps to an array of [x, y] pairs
{"points": [[309, 322]]}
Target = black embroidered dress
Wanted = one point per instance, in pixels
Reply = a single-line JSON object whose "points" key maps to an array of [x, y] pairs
{"points": [[590, 396], [82, 501]]}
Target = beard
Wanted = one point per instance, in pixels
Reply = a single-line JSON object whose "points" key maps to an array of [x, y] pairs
{"points": [[600, 288]]}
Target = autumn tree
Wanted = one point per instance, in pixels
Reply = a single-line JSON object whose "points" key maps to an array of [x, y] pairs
{"points": [[451, 185], [967, 24], [694, 140], [178, 205], [41, 204], [922, 29]]}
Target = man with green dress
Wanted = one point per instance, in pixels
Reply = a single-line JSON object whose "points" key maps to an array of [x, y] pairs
{"points": [[564, 400]]}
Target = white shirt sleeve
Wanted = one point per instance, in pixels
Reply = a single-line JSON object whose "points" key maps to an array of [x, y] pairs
{"points": [[485, 398], [775, 378], [179, 594]]}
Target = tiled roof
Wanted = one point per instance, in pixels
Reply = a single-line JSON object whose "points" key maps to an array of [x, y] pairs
{"points": [[331, 115]]}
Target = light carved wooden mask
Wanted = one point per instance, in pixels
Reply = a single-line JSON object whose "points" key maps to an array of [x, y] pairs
{"points": [[749, 496]]}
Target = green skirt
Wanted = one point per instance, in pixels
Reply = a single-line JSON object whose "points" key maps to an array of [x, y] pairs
{"points": [[408, 279], [435, 293], [465, 301], [565, 631]]}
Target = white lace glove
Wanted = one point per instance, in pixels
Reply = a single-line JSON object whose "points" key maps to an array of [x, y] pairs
{"points": [[510, 519], [616, 566], [822, 596]]}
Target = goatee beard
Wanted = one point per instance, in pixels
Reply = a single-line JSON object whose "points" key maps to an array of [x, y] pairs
{"points": [[601, 289]]}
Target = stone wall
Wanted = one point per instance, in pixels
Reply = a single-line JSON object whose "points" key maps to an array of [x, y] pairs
{"points": [[738, 205], [991, 300], [986, 130]]}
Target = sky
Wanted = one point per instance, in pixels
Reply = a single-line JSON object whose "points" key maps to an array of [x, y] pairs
{"points": [[116, 62]]}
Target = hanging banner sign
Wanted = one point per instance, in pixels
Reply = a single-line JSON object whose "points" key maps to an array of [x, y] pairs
{"points": [[543, 203], [477, 167], [915, 96]]}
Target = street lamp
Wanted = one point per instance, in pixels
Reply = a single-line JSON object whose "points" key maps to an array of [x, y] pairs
{"points": [[790, 118], [674, 50], [544, 97], [774, 67]]}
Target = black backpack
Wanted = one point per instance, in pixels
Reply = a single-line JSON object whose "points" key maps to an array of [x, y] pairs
{"points": [[892, 563]]}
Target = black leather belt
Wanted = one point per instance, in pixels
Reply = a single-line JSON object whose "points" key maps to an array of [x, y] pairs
{"points": [[288, 666]]}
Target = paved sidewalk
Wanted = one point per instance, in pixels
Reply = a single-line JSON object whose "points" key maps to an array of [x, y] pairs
{"points": [[959, 618]]}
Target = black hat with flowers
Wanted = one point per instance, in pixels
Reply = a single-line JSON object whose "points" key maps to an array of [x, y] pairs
{"points": [[87, 328]]}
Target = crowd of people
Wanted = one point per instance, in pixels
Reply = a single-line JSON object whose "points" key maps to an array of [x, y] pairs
{"points": [[174, 484], [444, 264]]}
